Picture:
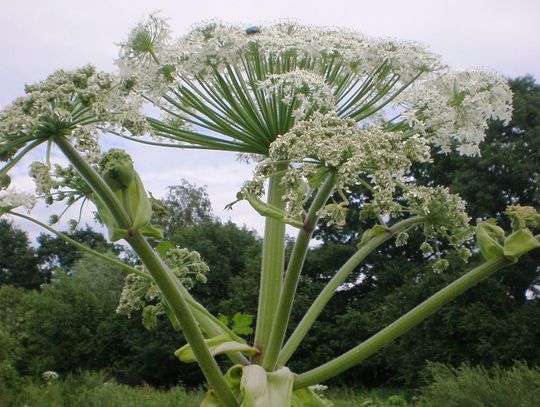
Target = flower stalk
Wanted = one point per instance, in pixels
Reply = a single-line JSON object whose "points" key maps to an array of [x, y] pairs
{"points": [[335, 282], [162, 276], [292, 275], [400, 326], [273, 260]]}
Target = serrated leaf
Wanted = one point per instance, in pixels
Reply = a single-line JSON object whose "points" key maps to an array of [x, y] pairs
{"points": [[224, 319], [519, 243], [218, 345], [241, 323]]}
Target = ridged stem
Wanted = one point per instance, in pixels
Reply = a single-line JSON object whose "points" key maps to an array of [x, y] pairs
{"points": [[402, 325], [273, 259], [162, 276], [292, 275], [339, 278]]}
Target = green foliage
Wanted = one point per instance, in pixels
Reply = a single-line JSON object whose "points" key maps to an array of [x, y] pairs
{"points": [[53, 252], [18, 265], [469, 386], [95, 390], [185, 205], [64, 317], [240, 323], [231, 253]]}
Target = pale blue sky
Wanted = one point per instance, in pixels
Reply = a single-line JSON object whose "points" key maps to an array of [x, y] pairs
{"points": [[38, 37]]}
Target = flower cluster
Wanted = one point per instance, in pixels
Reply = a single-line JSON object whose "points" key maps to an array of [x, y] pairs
{"points": [[56, 183], [304, 90], [74, 103], [327, 142], [141, 293], [249, 86], [446, 219], [11, 199], [454, 109], [216, 45]]}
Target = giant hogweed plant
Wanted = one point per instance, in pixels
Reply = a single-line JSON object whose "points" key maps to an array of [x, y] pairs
{"points": [[319, 111]]}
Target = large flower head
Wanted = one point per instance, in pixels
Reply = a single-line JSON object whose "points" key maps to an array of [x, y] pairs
{"points": [[226, 87], [74, 104]]}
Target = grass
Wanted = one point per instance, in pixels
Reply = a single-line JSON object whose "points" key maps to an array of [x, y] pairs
{"points": [[93, 390], [466, 386]]}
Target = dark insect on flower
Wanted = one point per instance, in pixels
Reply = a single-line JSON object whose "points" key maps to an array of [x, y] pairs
{"points": [[253, 30]]}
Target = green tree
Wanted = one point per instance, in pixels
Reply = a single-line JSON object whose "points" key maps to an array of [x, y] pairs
{"points": [[54, 252], [18, 264], [231, 253], [61, 322], [185, 205]]}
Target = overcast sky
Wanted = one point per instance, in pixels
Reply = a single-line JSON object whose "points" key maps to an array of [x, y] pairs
{"points": [[38, 37]]}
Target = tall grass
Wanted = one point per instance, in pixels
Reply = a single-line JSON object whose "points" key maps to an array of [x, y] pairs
{"points": [[465, 386], [469, 386], [92, 390]]}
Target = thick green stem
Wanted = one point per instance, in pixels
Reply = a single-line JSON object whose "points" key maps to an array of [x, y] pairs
{"points": [[273, 259], [292, 276], [167, 283], [95, 181], [400, 326], [162, 276], [339, 278]]}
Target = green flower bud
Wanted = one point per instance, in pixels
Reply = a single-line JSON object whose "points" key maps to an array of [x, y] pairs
{"points": [[54, 219], [201, 278], [116, 167]]}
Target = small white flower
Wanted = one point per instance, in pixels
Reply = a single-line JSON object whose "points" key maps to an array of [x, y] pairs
{"points": [[11, 199]]}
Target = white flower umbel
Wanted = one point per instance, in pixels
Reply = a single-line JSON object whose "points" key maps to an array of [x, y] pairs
{"points": [[327, 142], [74, 104], [227, 88], [453, 109], [11, 199]]}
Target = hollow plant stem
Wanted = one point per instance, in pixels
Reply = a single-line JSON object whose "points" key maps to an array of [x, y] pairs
{"points": [[273, 259], [402, 325], [339, 278], [292, 275], [162, 276]]}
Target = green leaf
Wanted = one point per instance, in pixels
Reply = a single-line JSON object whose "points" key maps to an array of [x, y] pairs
{"points": [[211, 400], [489, 238], [371, 233], [308, 398], [218, 345], [163, 247], [518, 243], [264, 389], [224, 319], [241, 323], [153, 231]]}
